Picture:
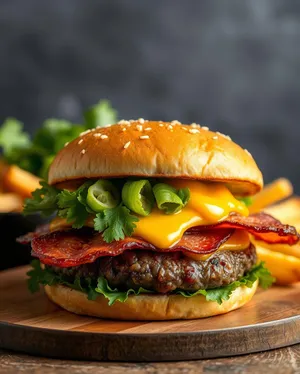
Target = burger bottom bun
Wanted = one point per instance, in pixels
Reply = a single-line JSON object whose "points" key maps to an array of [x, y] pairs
{"points": [[147, 307]]}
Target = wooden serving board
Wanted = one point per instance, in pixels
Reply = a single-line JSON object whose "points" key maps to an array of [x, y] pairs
{"points": [[32, 324]]}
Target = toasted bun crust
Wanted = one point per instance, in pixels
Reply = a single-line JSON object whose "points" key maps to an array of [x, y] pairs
{"points": [[171, 151], [148, 307]]}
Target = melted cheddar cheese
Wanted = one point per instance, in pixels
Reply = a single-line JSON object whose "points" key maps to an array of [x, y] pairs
{"points": [[209, 203]]}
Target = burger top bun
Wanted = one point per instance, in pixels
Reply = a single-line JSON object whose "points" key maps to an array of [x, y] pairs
{"points": [[157, 149]]}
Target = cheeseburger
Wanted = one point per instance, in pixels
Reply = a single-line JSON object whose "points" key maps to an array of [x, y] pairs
{"points": [[151, 223]]}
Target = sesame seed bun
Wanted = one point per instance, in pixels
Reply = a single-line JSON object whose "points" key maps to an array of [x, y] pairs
{"points": [[157, 149], [148, 307]]}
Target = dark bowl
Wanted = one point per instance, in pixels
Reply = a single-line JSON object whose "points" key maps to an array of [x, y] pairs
{"points": [[13, 225]]}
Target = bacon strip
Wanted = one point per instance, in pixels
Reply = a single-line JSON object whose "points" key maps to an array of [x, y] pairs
{"points": [[75, 247], [262, 226]]}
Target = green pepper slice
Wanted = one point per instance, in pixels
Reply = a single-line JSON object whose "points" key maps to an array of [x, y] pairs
{"points": [[138, 196], [167, 198], [102, 195]]}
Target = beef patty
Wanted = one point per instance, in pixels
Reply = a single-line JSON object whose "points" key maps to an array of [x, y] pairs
{"points": [[166, 272]]}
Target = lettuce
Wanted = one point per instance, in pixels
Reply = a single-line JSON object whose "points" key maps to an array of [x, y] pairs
{"points": [[39, 276]]}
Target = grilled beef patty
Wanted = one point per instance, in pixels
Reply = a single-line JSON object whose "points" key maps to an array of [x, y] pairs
{"points": [[166, 272]]}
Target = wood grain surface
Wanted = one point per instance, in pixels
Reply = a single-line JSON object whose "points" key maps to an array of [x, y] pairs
{"points": [[279, 361], [32, 324]]}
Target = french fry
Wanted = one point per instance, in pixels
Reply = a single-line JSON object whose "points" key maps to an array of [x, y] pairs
{"points": [[286, 249], [272, 193], [20, 181], [287, 211], [10, 202], [286, 269], [3, 170]]}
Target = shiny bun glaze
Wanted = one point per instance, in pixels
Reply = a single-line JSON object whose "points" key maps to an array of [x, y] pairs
{"points": [[157, 149]]}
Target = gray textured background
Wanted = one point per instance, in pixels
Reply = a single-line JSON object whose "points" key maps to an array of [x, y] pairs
{"points": [[231, 64]]}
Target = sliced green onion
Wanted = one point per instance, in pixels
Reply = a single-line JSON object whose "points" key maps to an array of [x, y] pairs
{"points": [[138, 196], [102, 195], [167, 198]]}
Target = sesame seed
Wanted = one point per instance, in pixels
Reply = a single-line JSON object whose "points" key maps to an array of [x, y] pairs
{"points": [[205, 128], [184, 128], [126, 145], [84, 132], [175, 122], [141, 120], [103, 137], [215, 137], [148, 129], [170, 127], [124, 122], [83, 151], [139, 127], [144, 137], [193, 131], [97, 135], [161, 125], [248, 153], [66, 144], [195, 125], [80, 141], [223, 135], [124, 129], [107, 125]]}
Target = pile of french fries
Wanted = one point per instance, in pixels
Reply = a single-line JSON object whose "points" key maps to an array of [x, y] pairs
{"points": [[281, 259], [15, 185]]}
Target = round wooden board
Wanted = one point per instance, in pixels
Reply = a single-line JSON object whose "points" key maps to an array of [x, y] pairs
{"points": [[32, 324]]}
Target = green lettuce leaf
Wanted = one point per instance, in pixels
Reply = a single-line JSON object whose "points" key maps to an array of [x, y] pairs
{"points": [[114, 295], [35, 155], [258, 272], [100, 115], [93, 288], [13, 137]]}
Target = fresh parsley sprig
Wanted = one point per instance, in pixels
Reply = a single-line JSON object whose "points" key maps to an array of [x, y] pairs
{"points": [[115, 223], [73, 206], [44, 200]]}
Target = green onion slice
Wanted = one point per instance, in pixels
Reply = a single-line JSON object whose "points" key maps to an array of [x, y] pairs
{"points": [[167, 198], [102, 195], [138, 196]]}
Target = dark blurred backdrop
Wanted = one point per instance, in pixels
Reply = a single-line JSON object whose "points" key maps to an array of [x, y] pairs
{"points": [[232, 65]]}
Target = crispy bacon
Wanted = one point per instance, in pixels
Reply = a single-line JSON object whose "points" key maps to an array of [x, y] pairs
{"points": [[75, 247], [40, 230], [71, 247], [262, 226]]}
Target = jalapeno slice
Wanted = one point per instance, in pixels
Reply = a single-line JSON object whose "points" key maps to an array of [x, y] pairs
{"points": [[167, 198], [138, 196], [102, 195]]}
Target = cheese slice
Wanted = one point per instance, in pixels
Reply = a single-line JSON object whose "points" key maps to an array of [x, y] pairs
{"points": [[209, 203]]}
